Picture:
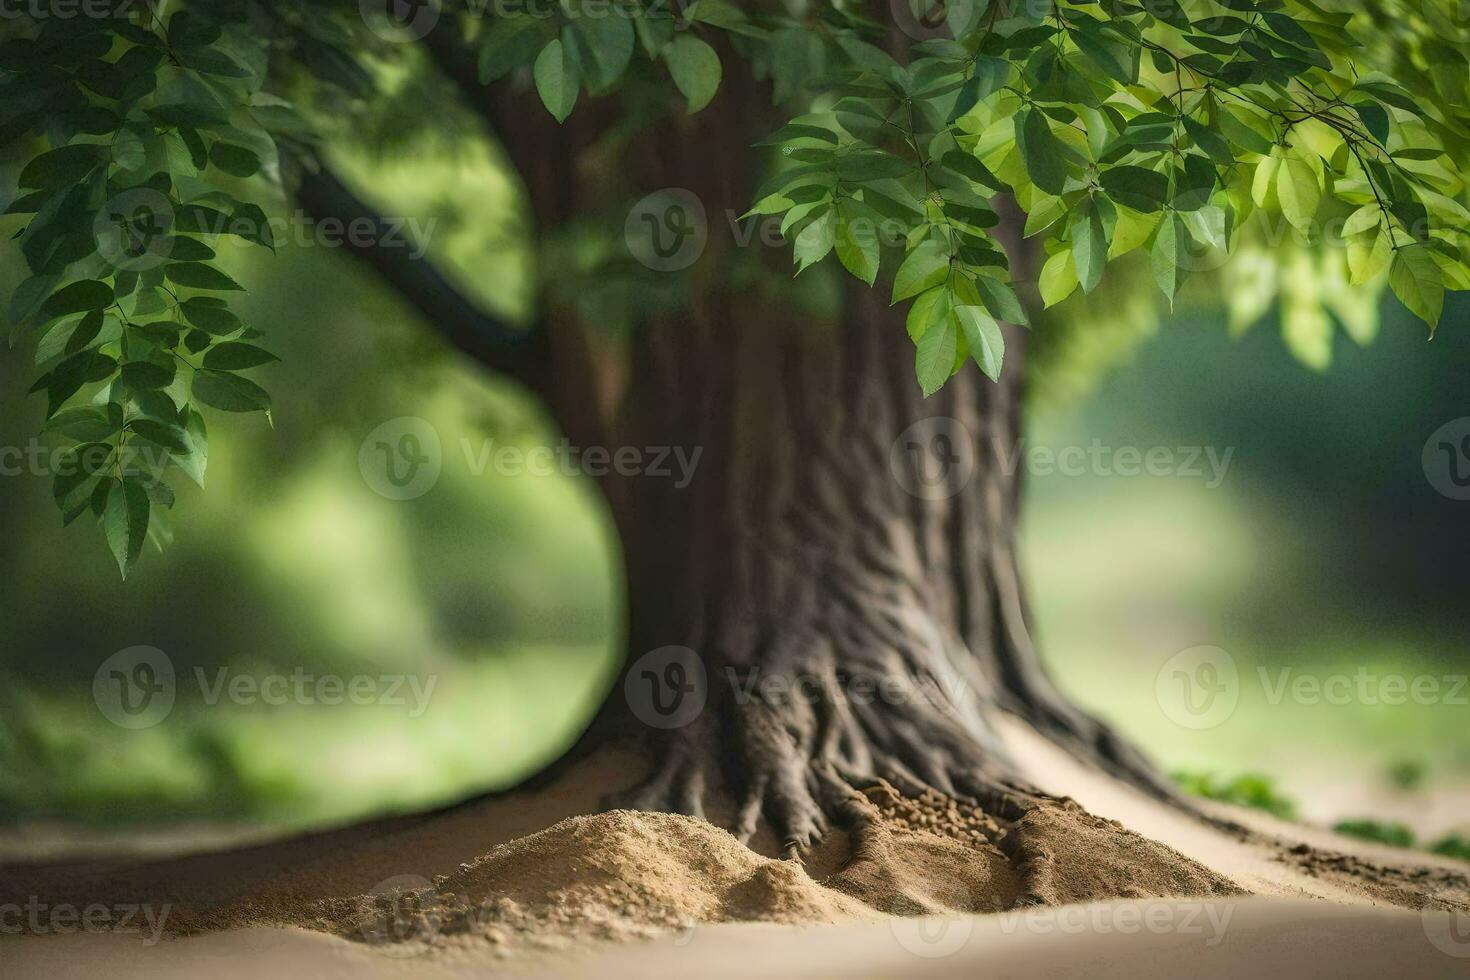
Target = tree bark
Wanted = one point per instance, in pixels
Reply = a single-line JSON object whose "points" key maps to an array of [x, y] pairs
{"points": [[842, 568]]}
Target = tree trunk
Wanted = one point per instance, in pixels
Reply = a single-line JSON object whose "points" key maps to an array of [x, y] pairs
{"points": [[841, 572]]}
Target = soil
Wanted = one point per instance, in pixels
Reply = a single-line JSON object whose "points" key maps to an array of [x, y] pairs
{"points": [[474, 880]]}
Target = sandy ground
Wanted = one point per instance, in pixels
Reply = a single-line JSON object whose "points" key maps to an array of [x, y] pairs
{"points": [[1134, 940], [545, 885]]}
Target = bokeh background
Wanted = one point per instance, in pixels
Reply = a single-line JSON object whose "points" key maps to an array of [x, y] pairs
{"points": [[1324, 549]]}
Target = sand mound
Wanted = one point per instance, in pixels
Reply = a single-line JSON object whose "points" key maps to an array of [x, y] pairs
{"points": [[592, 878], [610, 876], [624, 875]]}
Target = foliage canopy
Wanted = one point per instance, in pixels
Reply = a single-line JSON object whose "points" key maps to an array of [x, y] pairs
{"points": [[1177, 128]]}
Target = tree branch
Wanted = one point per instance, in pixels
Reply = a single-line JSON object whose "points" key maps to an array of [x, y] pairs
{"points": [[505, 349]]}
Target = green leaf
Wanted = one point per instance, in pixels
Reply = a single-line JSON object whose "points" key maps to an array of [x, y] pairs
{"points": [[143, 375], [169, 436], [29, 297], [934, 360], [210, 315], [1417, 282], [250, 223], [1001, 300], [1136, 187], [64, 166], [1241, 133], [558, 79], [510, 42], [695, 69], [237, 356], [196, 460], [1264, 183], [198, 275], [1367, 256], [230, 392], [815, 240], [605, 40], [1041, 151], [125, 522], [1171, 245], [1089, 244], [1058, 278], [928, 309], [79, 297], [857, 248], [1299, 193], [987, 344], [923, 268], [87, 424], [237, 161]]}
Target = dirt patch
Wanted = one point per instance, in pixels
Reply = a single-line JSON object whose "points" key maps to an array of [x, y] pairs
{"points": [[627, 875], [1407, 887]]}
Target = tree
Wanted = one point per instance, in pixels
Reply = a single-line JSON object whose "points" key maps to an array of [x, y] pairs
{"points": [[835, 598]]}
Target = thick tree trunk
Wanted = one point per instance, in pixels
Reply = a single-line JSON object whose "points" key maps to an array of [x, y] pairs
{"points": [[838, 581], [842, 567]]}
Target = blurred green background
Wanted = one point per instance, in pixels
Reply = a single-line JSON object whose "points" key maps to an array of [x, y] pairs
{"points": [[1323, 549]]}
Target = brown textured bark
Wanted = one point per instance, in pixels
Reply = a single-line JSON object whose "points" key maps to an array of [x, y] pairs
{"points": [[796, 553]]}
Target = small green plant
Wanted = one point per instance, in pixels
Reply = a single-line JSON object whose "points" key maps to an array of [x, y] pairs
{"points": [[1454, 846], [1407, 774], [1394, 834], [1251, 789]]}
